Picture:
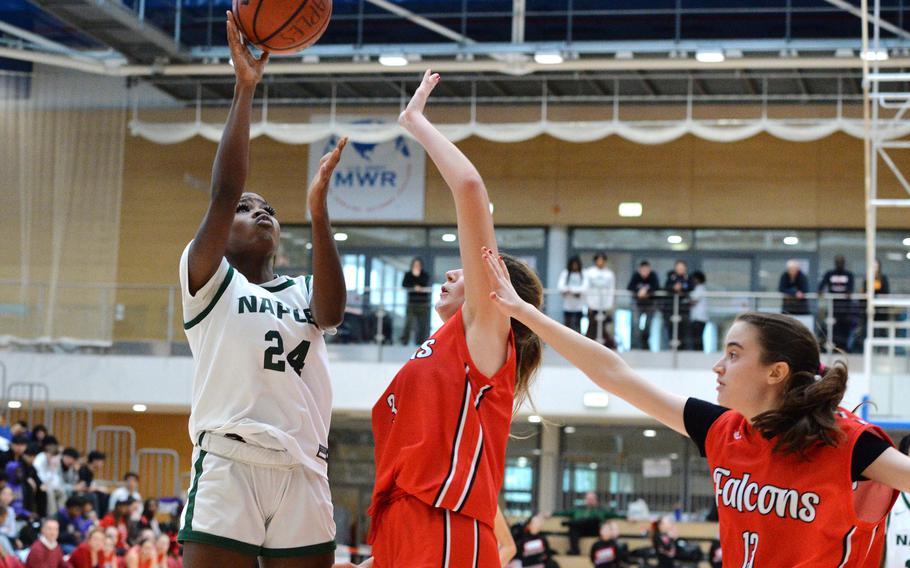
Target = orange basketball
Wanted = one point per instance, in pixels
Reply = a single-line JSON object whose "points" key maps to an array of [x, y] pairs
{"points": [[283, 26]]}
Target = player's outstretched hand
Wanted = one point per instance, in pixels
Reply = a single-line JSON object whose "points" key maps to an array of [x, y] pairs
{"points": [[419, 100], [502, 294], [247, 68], [319, 187]]}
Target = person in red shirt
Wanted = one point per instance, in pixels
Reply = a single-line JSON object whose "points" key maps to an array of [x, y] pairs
{"points": [[442, 425], [798, 480], [92, 554], [46, 552], [167, 558], [119, 518]]}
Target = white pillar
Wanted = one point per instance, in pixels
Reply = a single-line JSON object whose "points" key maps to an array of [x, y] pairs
{"points": [[548, 486], [557, 257]]}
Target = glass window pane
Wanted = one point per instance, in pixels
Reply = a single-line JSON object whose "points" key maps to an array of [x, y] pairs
{"points": [[382, 236], [632, 239], [746, 240]]}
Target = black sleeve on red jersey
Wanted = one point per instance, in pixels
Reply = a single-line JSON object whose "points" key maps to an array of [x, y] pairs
{"points": [[867, 449], [698, 417]]}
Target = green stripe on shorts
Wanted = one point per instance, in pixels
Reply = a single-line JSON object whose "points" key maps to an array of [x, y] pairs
{"points": [[185, 536], [191, 499]]}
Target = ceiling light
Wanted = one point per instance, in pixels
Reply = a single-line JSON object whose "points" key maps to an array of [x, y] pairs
{"points": [[308, 246], [14, 404], [393, 60], [534, 419], [630, 209], [569, 429], [592, 465], [674, 239], [449, 237], [791, 241], [522, 462], [674, 456], [710, 56], [908, 256], [341, 237], [596, 399], [140, 408], [650, 433], [906, 242], [548, 58], [876, 55]]}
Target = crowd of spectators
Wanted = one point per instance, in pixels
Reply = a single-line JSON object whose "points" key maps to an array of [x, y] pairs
{"points": [[54, 512]]}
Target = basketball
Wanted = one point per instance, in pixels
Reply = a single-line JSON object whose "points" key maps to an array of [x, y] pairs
{"points": [[283, 26]]}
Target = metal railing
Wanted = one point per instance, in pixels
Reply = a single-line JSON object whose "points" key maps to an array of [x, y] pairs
{"points": [[148, 319]]}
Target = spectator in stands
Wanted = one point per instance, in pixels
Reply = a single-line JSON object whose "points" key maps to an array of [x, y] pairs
{"points": [[19, 427], [39, 433], [149, 520], [716, 555], [417, 314], [46, 551], [73, 526], [167, 556], [95, 493], [130, 489], [840, 281], [119, 518], [7, 544], [663, 538], [144, 554], [585, 520], [533, 549], [572, 286], [16, 449], [8, 557], [69, 470], [8, 527], [48, 466], [92, 553], [678, 285], [698, 315], [608, 552], [111, 538], [794, 286], [600, 295], [643, 284], [23, 478]]}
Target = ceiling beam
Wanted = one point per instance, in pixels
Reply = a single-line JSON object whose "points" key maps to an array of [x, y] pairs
{"points": [[518, 21], [421, 21]]}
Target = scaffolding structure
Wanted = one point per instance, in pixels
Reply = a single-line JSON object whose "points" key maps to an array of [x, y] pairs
{"points": [[886, 101]]}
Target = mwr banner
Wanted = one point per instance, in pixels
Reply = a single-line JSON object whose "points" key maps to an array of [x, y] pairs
{"points": [[375, 182]]}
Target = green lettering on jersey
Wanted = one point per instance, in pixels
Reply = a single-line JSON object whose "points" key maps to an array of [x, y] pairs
{"points": [[281, 309], [247, 304], [266, 306]]}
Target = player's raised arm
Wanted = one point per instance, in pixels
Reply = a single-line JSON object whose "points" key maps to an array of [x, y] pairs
{"points": [[329, 293], [472, 205], [604, 367], [231, 164]]}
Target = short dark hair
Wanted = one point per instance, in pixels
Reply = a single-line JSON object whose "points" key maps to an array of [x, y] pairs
{"points": [[95, 455], [130, 474], [71, 452], [600, 254], [22, 423], [74, 501], [20, 439], [50, 440], [699, 277], [644, 263], [32, 449]]}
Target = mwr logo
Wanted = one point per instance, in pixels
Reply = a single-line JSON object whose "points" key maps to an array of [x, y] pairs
{"points": [[745, 495]]}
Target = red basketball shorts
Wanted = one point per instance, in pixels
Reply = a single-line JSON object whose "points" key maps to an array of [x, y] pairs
{"points": [[411, 534]]}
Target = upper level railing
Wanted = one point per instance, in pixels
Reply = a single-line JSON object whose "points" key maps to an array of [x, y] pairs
{"points": [[148, 319]]}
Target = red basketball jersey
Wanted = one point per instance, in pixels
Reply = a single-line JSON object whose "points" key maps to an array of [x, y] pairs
{"points": [[779, 510], [441, 428]]}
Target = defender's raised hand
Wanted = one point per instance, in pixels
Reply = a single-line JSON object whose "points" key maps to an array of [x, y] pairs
{"points": [[419, 100]]}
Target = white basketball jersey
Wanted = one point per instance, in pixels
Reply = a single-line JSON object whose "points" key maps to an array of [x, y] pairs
{"points": [[260, 363], [897, 548]]}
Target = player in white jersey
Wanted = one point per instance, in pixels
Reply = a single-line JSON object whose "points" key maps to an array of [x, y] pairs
{"points": [[262, 399], [897, 547]]}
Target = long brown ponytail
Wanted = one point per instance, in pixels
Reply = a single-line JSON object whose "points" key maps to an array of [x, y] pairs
{"points": [[528, 347], [805, 417]]}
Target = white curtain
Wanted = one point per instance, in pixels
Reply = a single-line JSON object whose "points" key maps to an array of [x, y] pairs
{"points": [[61, 180], [640, 132]]}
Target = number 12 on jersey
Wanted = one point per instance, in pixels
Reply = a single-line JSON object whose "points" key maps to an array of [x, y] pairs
{"points": [[750, 545], [272, 358]]}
